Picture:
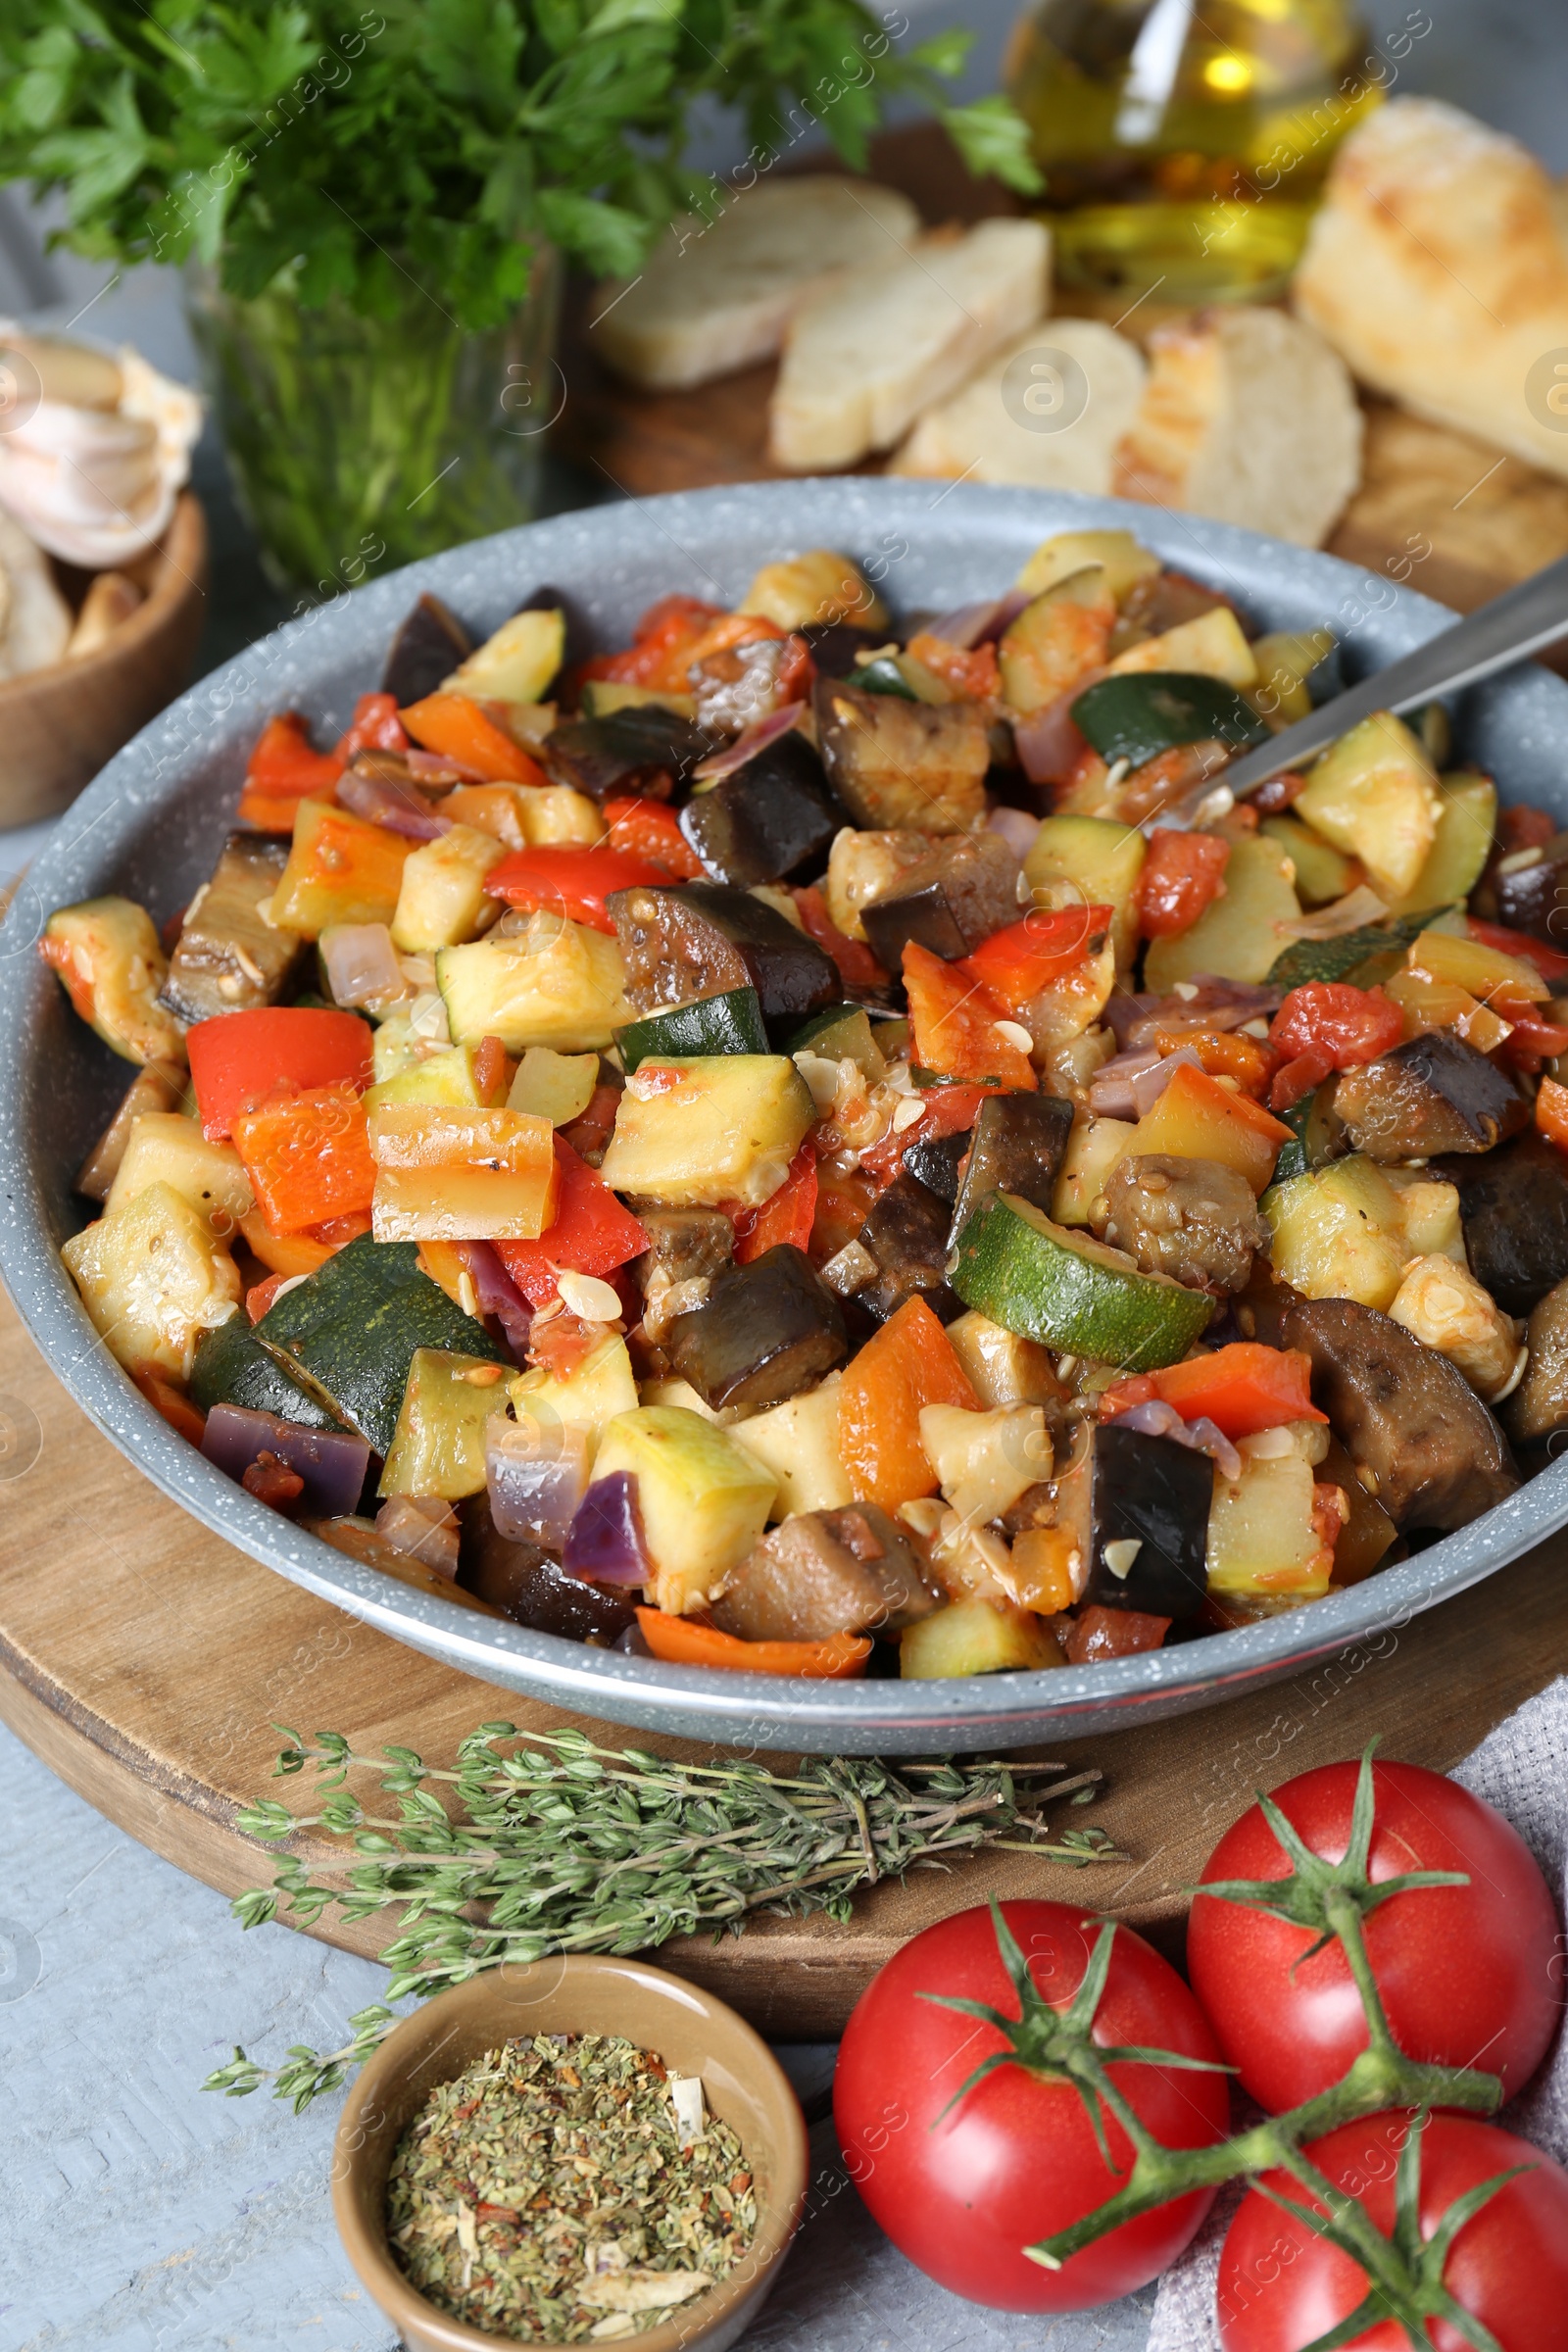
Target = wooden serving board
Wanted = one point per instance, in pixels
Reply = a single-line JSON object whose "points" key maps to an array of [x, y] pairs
{"points": [[146, 1662], [1436, 510]]}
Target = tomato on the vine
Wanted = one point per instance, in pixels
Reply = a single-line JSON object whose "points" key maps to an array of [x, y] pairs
{"points": [[1468, 1974], [964, 2174], [1284, 2285]]}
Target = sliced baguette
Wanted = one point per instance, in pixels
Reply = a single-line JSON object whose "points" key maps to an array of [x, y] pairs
{"points": [[1437, 265], [986, 438], [1247, 416], [713, 299], [863, 359]]}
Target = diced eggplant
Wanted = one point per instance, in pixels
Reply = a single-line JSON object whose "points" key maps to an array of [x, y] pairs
{"points": [[1433, 1093], [772, 818], [1138, 1508], [1193, 1219], [924, 916], [792, 975], [1513, 1205], [826, 1572], [1537, 1414], [1534, 896], [839, 646], [1407, 1415], [937, 1163], [766, 1331], [228, 959], [1017, 1146], [156, 1085], [646, 748], [689, 1244], [975, 879], [907, 1233], [897, 763], [427, 650], [706, 939], [524, 1582]]}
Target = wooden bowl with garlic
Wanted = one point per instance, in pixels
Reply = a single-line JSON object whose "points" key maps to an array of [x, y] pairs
{"points": [[103, 561]]}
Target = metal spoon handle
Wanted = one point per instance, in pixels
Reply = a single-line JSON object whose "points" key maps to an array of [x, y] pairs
{"points": [[1509, 629]]}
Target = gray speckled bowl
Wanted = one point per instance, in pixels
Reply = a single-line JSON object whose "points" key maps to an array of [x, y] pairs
{"points": [[151, 825]]}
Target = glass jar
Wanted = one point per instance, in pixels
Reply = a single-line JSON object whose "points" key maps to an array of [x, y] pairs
{"points": [[1183, 147], [356, 444]]}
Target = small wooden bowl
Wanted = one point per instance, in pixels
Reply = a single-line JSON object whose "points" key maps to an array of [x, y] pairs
{"points": [[58, 726], [743, 2083]]}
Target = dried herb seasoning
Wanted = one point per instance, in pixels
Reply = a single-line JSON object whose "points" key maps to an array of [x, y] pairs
{"points": [[567, 2188]]}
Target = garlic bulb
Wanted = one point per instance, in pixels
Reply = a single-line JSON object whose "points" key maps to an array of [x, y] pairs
{"points": [[34, 619], [94, 449]]}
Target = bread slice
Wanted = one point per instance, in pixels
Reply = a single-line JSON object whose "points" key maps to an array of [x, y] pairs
{"points": [[1437, 265], [714, 298], [985, 433], [1247, 416], [863, 359]]}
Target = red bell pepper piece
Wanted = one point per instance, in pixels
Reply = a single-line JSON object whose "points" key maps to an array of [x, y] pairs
{"points": [[786, 1215], [687, 1642], [284, 769], [648, 829], [571, 879], [661, 652], [948, 1110], [1241, 1388], [375, 727], [308, 1156], [1549, 963], [1016, 963], [858, 967], [1328, 1025], [954, 1021], [455, 724], [1182, 874], [592, 1233], [239, 1059]]}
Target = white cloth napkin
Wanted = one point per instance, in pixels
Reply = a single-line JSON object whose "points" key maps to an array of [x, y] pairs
{"points": [[1521, 1768]]}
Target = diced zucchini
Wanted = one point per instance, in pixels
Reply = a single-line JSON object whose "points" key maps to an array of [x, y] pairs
{"points": [[395, 1048], [1323, 873], [799, 1442], [1118, 552], [843, 1033], [601, 696], [1093, 1150], [153, 1279], [1056, 639], [1261, 1538], [728, 1023], [1286, 659], [460, 1175], [1094, 855], [1137, 717], [726, 1129], [1210, 647], [340, 870], [1003, 1367], [518, 662], [1467, 819], [557, 984], [702, 1499], [1339, 1232], [558, 1087], [984, 1461], [592, 1395], [438, 1447], [1338, 958], [675, 1392], [522, 815], [446, 1076], [111, 965], [976, 1637], [165, 1149], [1070, 1292], [817, 587], [1375, 796], [1237, 936], [1198, 1118], [232, 1367], [442, 899]]}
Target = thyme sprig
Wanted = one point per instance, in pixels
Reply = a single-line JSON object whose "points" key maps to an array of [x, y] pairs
{"points": [[551, 1843]]}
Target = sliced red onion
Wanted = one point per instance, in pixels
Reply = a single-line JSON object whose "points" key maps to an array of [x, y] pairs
{"points": [[606, 1539], [719, 765], [1156, 1419], [1148, 1085], [969, 625], [438, 770], [498, 1294], [536, 1472], [1048, 743], [395, 805], [332, 1462], [1110, 1090], [1213, 1004], [424, 1526], [1016, 827], [362, 963]]}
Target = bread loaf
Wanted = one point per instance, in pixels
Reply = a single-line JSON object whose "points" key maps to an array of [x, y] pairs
{"points": [[1249, 416], [863, 359], [1438, 267], [989, 431], [714, 298]]}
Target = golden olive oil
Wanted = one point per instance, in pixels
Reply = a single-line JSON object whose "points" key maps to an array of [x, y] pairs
{"points": [[1183, 145]]}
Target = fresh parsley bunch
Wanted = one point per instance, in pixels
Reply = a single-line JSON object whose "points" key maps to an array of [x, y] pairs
{"points": [[349, 144]]}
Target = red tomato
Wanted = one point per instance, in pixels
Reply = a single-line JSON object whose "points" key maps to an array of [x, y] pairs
{"points": [[1283, 2285], [239, 1059], [1015, 2158], [1328, 1025], [1468, 1975], [1182, 874], [648, 829]]}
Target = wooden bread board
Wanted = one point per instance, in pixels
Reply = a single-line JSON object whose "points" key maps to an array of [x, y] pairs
{"points": [[147, 1662]]}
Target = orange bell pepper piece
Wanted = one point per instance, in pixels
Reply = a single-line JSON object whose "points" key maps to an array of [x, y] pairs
{"points": [[284, 769], [282, 1253], [455, 724], [1551, 1112], [1016, 963], [910, 1362], [308, 1157], [953, 1017], [1551, 962], [686, 1642], [1241, 1388], [183, 1416]]}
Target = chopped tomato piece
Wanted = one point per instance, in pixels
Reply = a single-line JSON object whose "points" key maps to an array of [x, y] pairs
{"points": [[1302, 1075], [308, 1156], [455, 724], [661, 652], [858, 969], [591, 1234], [648, 829], [492, 1071], [948, 1110], [273, 1482], [375, 727], [908, 1363], [259, 1298], [844, 1201], [1551, 1111], [687, 1642], [1224, 1053], [571, 879], [1183, 874], [1549, 963], [1530, 1042], [1016, 963], [561, 1342], [589, 1135], [786, 1215], [239, 1059], [1241, 1388], [1330, 1027], [164, 1398], [970, 674], [954, 1017]]}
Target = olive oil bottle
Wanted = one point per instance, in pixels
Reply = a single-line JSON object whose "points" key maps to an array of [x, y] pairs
{"points": [[1184, 144]]}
